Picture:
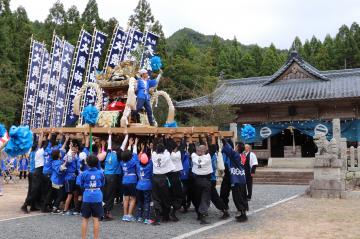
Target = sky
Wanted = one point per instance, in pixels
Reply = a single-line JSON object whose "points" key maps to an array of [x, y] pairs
{"points": [[259, 22]]}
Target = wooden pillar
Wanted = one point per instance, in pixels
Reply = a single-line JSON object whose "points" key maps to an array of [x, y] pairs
{"points": [[233, 128]]}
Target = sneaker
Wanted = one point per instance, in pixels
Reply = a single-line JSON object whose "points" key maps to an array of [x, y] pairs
{"points": [[140, 220], [56, 211], [75, 213], [225, 215], [125, 218], [148, 221], [132, 218], [67, 213]]}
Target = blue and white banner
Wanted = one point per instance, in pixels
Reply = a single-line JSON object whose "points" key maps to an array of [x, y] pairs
{"points": [[150, 43], [116, 48], [41, 91], [33, 77], [59, 106], [350, 129], [133, 41], [77, 75], [54, 79], [93, 65]]}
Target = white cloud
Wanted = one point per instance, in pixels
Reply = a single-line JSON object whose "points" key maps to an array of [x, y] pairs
{"points": [[251, 21]]}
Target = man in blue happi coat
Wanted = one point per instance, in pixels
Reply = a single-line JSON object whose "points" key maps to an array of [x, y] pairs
{"points": [[143, 95]]}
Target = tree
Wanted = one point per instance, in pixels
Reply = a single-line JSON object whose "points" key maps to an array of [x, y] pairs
{"points": [[257, 54], [90, 16], [271, 61], [248, 65], [347, 52], [297, 45], [57, 14], [142, 17]]}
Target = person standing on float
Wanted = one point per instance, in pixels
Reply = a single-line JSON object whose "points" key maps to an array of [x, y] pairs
{"points": [[143, 95]]}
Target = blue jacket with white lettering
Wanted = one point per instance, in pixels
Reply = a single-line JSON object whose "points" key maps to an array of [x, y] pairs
{"points": [[237, 172], [143, 87], [92, 180]]}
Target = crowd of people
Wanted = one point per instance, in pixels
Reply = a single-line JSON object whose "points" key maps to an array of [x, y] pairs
{"points": [[153, 177]]}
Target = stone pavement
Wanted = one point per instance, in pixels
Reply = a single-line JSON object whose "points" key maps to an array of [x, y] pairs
{"points": [[58, 226]]}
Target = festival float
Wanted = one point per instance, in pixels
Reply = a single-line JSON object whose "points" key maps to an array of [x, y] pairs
{"points": [[67, 92]]}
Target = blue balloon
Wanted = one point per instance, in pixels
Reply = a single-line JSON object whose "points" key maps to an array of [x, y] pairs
{"points": [[155, 63], [2, 130], [171, 125], [247, 132], [90, 114], [21, 140]]}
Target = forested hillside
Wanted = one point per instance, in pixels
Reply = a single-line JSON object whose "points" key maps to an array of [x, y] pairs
{"points": [[192, 61]]}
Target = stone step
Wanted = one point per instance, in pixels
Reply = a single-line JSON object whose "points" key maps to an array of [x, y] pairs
{"points": [[283, 177]]}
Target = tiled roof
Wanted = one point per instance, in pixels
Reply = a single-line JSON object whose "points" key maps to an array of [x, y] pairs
{"points": [[259, 90]]}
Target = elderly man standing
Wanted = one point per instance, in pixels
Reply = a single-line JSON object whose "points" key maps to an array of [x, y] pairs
{"points": [[143, 96], [250, 166]]}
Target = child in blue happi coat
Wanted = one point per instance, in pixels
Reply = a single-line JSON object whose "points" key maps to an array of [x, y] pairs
{"points": [[143, 188], [91, 181], [23, 166], [57, 178], [129, 161], [71, 162]]}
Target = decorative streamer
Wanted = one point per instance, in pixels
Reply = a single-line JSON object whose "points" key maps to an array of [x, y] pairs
{"points": [[21, 140], [66, 60], [54, 79], [33, 76], [76, 76]]}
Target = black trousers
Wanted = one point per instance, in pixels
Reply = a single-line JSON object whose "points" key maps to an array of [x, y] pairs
{"points": [[59, 196], [161, 194], [202, 194], [249, 185], [22, 173], [240, 197], [46, 192], [187, 193], [225, 189], [215, 198], [176, 191], [35, 183], [111, 185]]}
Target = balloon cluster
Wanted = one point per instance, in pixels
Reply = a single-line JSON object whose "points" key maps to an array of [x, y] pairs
{"points": [[21, 140], [155, 63], [90, 114], [247, 132], [2, 130]]}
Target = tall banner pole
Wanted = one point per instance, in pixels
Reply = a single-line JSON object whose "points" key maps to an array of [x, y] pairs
{"points": [[27, 81]]}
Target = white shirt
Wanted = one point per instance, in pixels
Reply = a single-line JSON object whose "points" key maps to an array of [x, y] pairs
{"points": [[176, 160], [162, 163], [201, 164], [253, 159], [39, 158]]}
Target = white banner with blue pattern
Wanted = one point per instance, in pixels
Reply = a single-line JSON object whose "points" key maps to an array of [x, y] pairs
{"points": [[41, 91], [59, 106], [54, 79], [33, 77], [77, 75]]}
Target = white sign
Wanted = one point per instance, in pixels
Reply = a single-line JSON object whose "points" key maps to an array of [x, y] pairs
{"points": [[321, 129], [265, 132]]}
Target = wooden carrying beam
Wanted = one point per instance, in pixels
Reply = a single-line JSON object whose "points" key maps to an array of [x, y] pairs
{"points": [[176, 132]]}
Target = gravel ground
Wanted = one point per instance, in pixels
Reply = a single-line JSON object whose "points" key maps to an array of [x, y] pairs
{"points": [[58, 226]]}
